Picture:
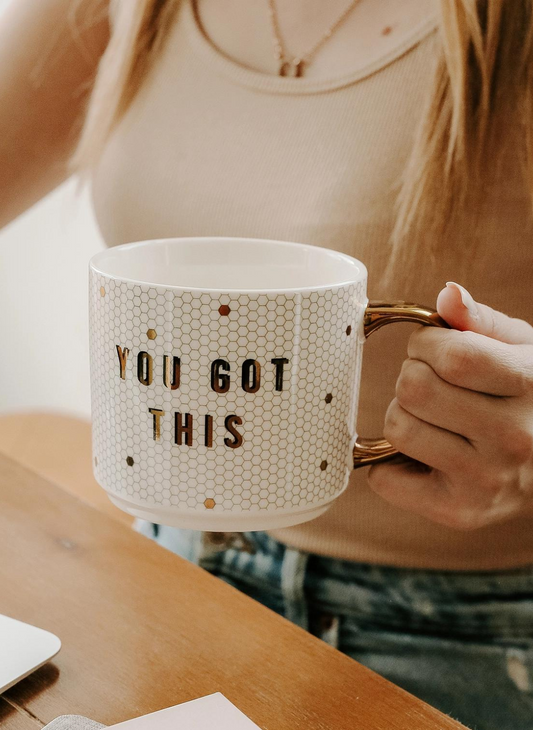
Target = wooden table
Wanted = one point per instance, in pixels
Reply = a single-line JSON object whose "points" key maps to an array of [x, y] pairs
{"points": [[143, 629]]}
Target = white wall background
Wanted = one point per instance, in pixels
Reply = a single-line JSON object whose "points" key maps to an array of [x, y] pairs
{"points": [[43, 303]]}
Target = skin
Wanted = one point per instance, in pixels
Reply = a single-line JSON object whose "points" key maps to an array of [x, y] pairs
{"points": [[463, 412], [359, 39], [48, 59]]}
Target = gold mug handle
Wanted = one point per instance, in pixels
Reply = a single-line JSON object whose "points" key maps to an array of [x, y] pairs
{"points": [[378, 314]]}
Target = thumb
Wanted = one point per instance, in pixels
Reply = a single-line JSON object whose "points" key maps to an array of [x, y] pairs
{"points": [[456, 305]]}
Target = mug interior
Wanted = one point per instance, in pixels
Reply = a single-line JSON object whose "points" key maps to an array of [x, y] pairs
{"points": [[226, 264]]}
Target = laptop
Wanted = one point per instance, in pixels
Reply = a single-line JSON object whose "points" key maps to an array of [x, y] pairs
{"points": [[23, 648]]}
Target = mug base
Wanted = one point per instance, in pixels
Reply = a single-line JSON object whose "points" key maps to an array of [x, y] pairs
{"points": [[217, 522]]}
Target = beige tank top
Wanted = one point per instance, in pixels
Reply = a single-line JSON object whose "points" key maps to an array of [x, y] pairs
{"points": [[210, 147]]}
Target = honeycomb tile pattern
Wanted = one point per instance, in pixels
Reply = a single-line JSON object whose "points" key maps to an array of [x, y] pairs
{"points": [[296, 449]]}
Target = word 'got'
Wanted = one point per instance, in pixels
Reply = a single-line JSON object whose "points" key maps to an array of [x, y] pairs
{"points": [[250, 371]]}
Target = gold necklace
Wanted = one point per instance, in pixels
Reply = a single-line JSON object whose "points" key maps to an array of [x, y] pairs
{"points": [[296, 65]]}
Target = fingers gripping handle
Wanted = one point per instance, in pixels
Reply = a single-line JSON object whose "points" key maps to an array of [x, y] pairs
{"points": [[378, 314]]}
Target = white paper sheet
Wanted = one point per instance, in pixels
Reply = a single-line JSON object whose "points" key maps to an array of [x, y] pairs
{"points": [[213, 712]]}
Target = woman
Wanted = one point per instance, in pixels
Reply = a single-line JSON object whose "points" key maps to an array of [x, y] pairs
{"points": [[399, 133]]}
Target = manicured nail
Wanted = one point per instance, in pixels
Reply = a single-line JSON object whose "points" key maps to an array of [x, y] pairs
{"points": [[466, 298]]}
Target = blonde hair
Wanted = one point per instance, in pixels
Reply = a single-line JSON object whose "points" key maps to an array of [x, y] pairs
{"points": [[139, 28], [484, 73]]}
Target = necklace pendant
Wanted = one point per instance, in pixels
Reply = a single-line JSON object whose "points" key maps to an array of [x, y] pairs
{"points": [[294, 68]]}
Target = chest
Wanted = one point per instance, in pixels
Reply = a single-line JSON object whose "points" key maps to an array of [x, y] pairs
{"points": [[198, 154], [206, 150]]}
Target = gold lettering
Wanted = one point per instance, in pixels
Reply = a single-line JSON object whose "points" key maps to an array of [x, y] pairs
{"points": [[219, 383], [175, 381], [229, 422], [122, 358], [181, 429], [157, 413], [255, 368], [144, 368], [279, 362], [209, 430]]}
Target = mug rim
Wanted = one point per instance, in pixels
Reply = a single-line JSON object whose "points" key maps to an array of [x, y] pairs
{"points": [[95, 264]]}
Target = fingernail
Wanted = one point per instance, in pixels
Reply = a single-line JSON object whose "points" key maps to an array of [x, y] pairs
{"points": [[466, 299]]}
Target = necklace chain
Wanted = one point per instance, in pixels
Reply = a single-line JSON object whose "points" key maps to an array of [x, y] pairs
{"points": [[295, 66]]}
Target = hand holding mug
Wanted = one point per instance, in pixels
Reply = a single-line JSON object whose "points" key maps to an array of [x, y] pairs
{"points": [[463, 413]]}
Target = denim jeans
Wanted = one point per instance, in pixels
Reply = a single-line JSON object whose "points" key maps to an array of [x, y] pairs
{"points": [[460, 641]]}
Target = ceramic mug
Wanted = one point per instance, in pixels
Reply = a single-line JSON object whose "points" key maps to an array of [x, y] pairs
{"points": [[225, 379]]}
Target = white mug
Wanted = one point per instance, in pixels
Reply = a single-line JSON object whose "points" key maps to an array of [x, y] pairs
{"points": [[225, 379]]}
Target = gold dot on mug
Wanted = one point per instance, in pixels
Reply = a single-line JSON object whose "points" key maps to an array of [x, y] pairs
{"points": [[349, 329], [209, 503], [95, 461], [324, 465], [102, 291], [328, 398], [152, 334], [129, 461], [224, 310]]}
